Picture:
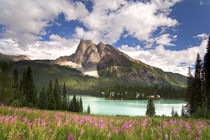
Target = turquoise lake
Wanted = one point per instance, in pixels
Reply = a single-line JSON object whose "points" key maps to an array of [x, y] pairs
{"points": [[102, 106]]}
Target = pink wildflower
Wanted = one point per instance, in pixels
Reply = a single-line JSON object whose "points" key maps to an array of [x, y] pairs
{"points": [[82, 131], [141, 134], [50, 130], [70, 137], [166, 136], [109, 135], [20, 134]]}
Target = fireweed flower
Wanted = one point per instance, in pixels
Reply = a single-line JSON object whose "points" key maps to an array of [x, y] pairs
{"points": [[82, 131], [50, 130], [109, 135], [20, 134], [70, 137]]}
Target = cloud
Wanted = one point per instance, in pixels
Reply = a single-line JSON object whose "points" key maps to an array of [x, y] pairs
{"points": [[109, 19], [25, 20], [168, 60], [202, 36], [165, 40], [53, 49]]}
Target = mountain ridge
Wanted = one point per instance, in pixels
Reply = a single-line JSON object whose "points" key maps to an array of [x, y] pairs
{"points": [[13, 57], [106, 61]]}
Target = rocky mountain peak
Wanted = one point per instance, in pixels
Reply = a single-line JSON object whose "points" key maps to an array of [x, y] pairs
{"points": [[91, 56]]}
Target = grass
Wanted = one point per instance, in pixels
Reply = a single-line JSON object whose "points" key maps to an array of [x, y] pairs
{"points": [[33, 124]]}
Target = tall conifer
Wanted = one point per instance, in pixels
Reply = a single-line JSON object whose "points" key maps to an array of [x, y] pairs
{"points": [[206, 69], [57, 95], [150, 108]]}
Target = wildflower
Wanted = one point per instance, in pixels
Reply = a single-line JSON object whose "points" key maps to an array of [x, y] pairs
{"points": [[166, 136], [70, 137], [20, 134], [50, 130], [82, 131], [141, 134], [109, 135]]}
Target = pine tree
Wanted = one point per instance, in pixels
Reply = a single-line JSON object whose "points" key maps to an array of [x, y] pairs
{"points": [[29, 87], [42, 99], [80, 104], [150, 108], [88, 109], [16, 85], [51, 104], [74, 106], [197, 84], [172, 112], [6, 83], [64, 97], [57, 95], [183, 114], [190, 90], [206, 69]]}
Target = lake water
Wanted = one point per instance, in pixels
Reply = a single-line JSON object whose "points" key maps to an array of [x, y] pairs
{"points": [[102, 106]]}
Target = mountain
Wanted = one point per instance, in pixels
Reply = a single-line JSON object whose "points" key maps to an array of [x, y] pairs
{"points": [[13, 57], [104, 61]]}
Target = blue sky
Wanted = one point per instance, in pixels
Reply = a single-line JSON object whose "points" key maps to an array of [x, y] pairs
{"points": [[162, 33]]}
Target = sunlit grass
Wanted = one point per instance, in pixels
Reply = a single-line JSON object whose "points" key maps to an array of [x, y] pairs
{"points": [[25, 123]]}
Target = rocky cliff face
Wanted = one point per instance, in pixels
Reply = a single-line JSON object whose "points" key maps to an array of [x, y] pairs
{"points": [[102, 60], [13, 57], [89, 56]]}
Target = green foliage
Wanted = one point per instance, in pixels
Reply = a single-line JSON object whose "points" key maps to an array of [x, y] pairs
{"points": [[57, 95], [198, 87], [28, 87], [42, 99], [50, 97], [150, 108], [88, 109], [6, 83], [206, 70], [80, 104], [16, 103], [64, 97], [74, 104], [56, 125]]}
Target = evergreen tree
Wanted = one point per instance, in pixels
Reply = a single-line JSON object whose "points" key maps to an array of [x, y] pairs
{"points": [[57, 95], [42, 99], [74, 106], [64, 97], [197, 84], [183, 114], [190, 97], [51, 104], [88, 109], [206, 70], [16, 85], [172, 112], [80, 104], [28, 88], [150, 108], [6, 83]]}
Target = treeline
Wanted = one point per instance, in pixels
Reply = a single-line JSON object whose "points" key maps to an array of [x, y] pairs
{"points": [[198, 90], [23, 92], [141, 92]]}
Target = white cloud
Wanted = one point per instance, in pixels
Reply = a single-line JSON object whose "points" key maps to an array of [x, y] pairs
{"points": [[165, 40], [109, 19], [201, 36], [53, 49], [25, 20], [168, 60]]}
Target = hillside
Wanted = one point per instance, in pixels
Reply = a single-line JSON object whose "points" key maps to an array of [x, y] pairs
{"points": [[104, 61]]}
